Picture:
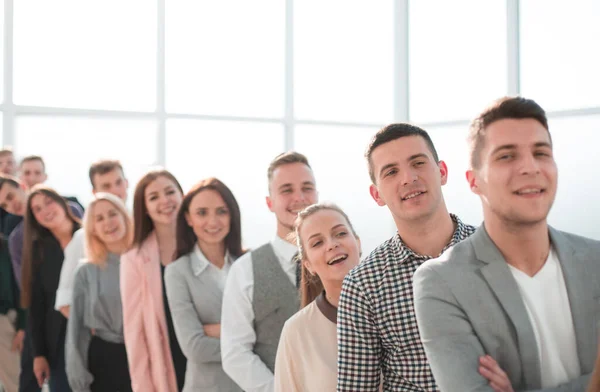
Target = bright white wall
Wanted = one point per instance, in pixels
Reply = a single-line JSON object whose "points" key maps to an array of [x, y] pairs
{"points": [[220, 88]]}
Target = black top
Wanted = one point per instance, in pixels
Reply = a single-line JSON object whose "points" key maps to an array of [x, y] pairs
{"points": [[179, 360], [48, 326]]}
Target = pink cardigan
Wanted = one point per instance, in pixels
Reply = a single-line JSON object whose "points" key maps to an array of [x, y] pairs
{"points": [[144, 320]]}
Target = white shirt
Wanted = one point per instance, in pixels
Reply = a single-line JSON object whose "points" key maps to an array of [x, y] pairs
{"points": [[237, 321], [547, 303], [216, 274], [74, 253]]}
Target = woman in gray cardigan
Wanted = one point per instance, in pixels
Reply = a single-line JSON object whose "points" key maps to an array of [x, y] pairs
{"points": [[209, 239], [96, 358]]}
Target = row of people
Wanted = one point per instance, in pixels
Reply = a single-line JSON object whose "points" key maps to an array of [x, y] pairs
{"points": [[508, 306]]}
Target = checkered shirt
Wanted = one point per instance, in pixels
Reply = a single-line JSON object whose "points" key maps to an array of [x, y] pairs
{"points": [[377, 327]]}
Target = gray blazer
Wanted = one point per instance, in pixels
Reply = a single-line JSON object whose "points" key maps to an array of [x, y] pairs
{"points": [[468, 304], [195, 300]]}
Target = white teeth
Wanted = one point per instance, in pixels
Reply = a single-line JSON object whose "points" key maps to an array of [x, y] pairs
{"points": [[213, 231], [412, 195], [337, 258]]}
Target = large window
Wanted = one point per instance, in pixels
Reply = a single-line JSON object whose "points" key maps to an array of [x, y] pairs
{"points": [[220, 88]]}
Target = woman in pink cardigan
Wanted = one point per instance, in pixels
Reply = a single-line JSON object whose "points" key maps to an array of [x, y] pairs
{"points": [[156, 362]]}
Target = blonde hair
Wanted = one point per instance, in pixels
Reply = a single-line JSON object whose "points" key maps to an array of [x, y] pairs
{"points": [[311, 285], [95, 250]]}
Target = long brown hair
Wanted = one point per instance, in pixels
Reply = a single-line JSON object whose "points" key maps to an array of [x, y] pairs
{"points": [[95, 250], [142, 223], [311, 285], [34, 235], [186, 239]]}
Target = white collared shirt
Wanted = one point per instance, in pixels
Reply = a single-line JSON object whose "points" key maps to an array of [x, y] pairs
{"points": [[218, 275], [237, 321], [547, 303]]}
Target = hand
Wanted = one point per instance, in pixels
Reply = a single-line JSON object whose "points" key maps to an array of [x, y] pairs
{"points": [[41, 369], [489, 368], [213, 330], [17, 343], [65, 310]]}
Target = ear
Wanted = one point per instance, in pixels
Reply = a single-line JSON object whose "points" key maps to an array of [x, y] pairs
{"points": [[375, 195], [45, 177], [443, 172], [359, 247], [269, 203], [307, 265], [473, 181], [126, 184]]}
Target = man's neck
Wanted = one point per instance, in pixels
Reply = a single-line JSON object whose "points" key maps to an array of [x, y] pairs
{"points": [[525, 247], [428, 236], [285, 233]]}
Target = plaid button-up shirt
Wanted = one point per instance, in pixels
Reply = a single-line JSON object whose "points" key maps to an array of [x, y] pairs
{"points": [[377, 327]]}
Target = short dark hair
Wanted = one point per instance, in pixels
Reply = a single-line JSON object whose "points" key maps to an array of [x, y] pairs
{"points": [[186, 238], [104, 166], [6, 151], [8, 179], [285, 159], [396, 131], [31, 158], [504, 108]]}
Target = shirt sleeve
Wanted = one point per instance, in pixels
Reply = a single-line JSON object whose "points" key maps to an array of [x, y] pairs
{"points": [[359, 345], [78, 338], [74, 252], [286, 372], [189, 330], [237, 332]]}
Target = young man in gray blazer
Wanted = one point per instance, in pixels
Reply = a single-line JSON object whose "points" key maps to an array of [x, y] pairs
{"points": [[515, 306]]}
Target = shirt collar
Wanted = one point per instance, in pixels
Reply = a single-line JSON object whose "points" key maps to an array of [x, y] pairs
{"points": [[326, 308], [284, 251], [459, 234], [200, 262]]}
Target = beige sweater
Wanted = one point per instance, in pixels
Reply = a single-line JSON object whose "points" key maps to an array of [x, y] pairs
{"points": [[307, 354]]}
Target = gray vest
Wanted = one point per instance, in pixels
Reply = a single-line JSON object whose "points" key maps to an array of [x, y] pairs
{"points": [[275, 300]]}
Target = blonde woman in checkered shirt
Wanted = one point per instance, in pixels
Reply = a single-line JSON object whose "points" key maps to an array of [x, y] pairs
{"points": [[377, 327]]}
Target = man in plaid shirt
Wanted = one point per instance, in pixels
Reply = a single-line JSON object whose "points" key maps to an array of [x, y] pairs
{"points": [[377, 327]]}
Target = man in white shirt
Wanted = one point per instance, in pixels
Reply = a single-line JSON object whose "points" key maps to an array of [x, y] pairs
{"points": [[515, 306], [105, 176], [261, 290]]}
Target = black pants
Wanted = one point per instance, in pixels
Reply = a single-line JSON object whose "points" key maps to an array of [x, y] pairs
{"points": [[108, 364]]}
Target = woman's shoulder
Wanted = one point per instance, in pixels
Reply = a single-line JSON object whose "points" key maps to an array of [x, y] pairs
{"points": [[302, 319]]}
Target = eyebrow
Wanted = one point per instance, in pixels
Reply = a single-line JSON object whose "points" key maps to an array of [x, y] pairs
{"points": [[514, 146], [333, 228], [410, 158], [289, 184]]}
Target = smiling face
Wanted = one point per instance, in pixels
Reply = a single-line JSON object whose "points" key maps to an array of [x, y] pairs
{"points": [[13, 199], [408, 179], [163, 199], [330, 249], [517, 177], [291, 190], [113, 182], [47, 212], [209, 217], [32, 172], [7, 163], [109, 223]]}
